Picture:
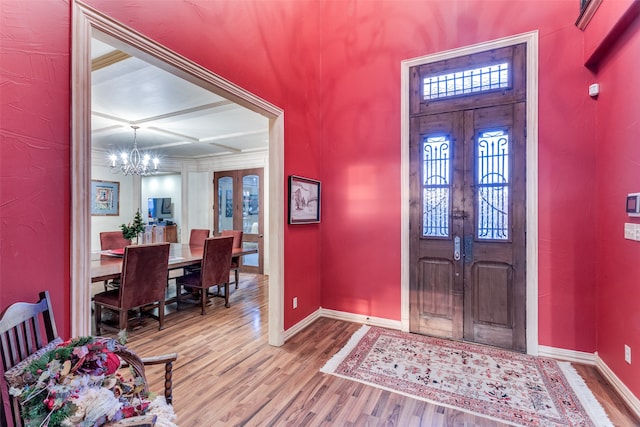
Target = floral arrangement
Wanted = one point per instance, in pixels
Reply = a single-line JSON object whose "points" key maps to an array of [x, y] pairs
{"points": [[78, 383], [131, 231]]}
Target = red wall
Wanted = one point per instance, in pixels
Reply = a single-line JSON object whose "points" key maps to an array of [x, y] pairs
{"points": [[34, 154], [363, 45], [602, 30], [618, 116], [334, 67]]}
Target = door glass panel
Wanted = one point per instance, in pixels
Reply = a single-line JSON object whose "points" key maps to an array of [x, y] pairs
{"points": [[225, 203], [493, 185], [436, 186], [251, 259], [250, 203]]}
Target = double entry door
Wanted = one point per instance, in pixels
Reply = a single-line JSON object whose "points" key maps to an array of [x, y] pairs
{"points": [[467, 225], [238, 205]]}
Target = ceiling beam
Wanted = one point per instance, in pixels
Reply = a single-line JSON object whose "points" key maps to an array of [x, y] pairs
{"points": [[189, 111], [108, 59], [210, 139]]}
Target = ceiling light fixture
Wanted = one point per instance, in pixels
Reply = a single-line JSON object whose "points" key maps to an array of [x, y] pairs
{"points": [[133, 163]]}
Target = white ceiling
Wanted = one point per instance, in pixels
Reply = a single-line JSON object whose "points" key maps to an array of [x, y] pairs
{"points": [[177, 119]]}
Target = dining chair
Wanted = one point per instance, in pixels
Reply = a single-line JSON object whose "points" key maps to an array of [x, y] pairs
{"points": [[112, 240], [237, 243], [215, 270], [143, 282], [27, 331], [197, 237]]}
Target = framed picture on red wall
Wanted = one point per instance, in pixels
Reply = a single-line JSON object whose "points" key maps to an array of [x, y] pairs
{"points": [[304, 200], [105, 198]]}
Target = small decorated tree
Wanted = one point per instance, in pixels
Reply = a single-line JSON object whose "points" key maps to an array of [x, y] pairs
{"points": [[131, 231]]}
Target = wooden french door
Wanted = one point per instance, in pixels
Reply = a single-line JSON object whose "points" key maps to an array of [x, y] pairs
{"points": [[467, 222], [238, 205]]}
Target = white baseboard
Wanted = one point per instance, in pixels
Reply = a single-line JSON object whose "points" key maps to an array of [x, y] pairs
{"points": [[359, 318], [301, 325], [568, 355], [341, 315], [623, 391]]}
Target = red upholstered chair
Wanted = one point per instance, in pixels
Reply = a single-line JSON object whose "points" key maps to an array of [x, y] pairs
{"points": [[143, 282], [198, 236], [216, 266], [112, 240], [237, 243]]}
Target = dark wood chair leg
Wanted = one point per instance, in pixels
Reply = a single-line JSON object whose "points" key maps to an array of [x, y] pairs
{"points": [[97, 312], [178, 292], [123, 318], [226, 294], [203, 300], [237, 277], [161, 315]]}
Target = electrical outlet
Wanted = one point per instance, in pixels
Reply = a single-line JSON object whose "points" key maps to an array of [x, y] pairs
{"points": [[627, 354], [295, 302]]}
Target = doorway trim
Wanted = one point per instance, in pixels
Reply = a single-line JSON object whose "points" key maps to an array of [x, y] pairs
{"points": [[531, 41], [85, 21]]}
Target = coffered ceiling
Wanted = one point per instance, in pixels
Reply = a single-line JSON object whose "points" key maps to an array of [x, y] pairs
{"points": [[177, 118]]}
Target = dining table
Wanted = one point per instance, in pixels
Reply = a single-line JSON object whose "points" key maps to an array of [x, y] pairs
{"points": [[107, 265]]}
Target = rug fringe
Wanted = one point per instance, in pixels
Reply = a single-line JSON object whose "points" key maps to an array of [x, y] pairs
{"points": [[588, 400], [333, 363]]}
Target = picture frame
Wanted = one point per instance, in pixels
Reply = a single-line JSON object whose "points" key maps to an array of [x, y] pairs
{"points": [[587, 11], [304, 200], [105, 198]]}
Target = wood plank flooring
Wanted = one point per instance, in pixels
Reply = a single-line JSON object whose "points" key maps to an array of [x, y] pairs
{"points": [[228, 375]]}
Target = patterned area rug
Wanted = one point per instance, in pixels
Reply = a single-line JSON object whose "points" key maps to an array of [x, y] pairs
{"points": [[510, 387]]}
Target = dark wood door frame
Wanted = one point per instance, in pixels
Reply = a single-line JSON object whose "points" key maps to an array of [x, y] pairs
{"points": [[238, 209], [531, 41]]}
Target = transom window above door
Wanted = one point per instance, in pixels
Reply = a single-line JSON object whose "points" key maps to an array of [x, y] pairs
{"points": [[472, 80], [492, 77]]}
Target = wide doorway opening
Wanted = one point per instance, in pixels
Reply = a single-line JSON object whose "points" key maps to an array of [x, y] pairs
{"points": [[87, 23]]}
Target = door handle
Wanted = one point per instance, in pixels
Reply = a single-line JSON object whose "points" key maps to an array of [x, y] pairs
{"points": [[456, 248], [459, 214]]}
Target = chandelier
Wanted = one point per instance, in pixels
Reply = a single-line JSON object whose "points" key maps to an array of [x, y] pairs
{"points": [[134, 163]]}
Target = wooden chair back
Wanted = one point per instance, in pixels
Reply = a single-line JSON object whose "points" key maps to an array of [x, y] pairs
{"points": [[112, 240], [144, 274], [237, 237], [24, 329], [235, 261], [216, 261], [198, 236]]}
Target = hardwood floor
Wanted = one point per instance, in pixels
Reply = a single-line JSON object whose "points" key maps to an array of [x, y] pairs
{"points": [[228, 375]]}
